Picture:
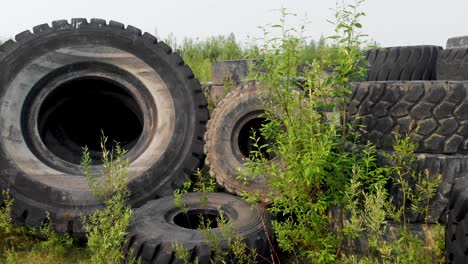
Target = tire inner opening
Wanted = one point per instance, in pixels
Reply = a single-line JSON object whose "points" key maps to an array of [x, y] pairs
{"points": [[246, 143], [78, 112], [199, 219]]}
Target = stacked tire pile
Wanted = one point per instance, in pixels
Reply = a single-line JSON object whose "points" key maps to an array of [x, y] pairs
{"points": [[64, 85], [415, 91], [421, 91]]}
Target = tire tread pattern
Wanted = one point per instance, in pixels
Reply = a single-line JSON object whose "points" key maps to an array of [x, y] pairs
{"points": [[26, 210], [433, 114], [452, 64], [402, 63]]}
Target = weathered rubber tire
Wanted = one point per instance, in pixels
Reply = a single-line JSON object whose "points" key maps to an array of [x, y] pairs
{"points": [[452, 64], [402, 63], [229, 70], [450, 167], [156, 226], [224, 157], [456, 236], [44, 118], [457, 42], [433, 114]]}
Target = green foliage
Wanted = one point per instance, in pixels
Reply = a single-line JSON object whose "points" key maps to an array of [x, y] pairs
{"points": [[55, 243], [236, 251], [314, 168], [113, 176], [106, 228], [199, 54], [327, 192]]}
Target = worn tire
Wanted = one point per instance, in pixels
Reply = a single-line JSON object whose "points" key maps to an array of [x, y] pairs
{"points": [[160, 223], [433, 114], [233, 71], [61, 84], [456, 236], [452, 64], [227, 142], [402, 63], [457, 42], [450, 167]]}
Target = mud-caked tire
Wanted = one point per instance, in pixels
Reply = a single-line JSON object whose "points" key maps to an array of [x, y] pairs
{"points": [[228, 139], [61, 85]]}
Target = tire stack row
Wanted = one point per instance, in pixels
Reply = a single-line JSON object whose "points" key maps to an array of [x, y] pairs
{"points": [[415, 91], [422, 92], [65, 84]]}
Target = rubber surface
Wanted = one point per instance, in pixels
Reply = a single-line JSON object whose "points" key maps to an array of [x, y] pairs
{"points": [[402, 63], [232, 71], [173, 115], [450, 168], [433, 114], [457, 42], [224, 157], [155, 227], [452, 64], [456, 236]]}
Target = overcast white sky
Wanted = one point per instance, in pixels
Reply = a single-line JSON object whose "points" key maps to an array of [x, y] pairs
{"points": [[389, 22]]}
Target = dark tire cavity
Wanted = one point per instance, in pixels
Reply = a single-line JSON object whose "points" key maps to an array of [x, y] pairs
{"points": [[402, 63], [160, 223], [452, 64], [433, 114], [229, 142], [456, 232], [79, 112], [69, 83]]}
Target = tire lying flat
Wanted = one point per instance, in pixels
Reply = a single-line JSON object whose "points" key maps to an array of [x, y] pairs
{"points": [[452, 64], [402, 63], [61, 85], [433, 114], [457, 42], [160, 223]]}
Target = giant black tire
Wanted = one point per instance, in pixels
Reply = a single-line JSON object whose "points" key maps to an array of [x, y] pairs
{"points": [[434, 114], [227, 139], [456, 236], [402, 63], [61, 85], [160, 223], [452, 64]]}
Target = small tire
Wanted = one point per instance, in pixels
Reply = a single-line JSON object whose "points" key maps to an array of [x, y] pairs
{"points": [[402, 63], [61, 85], [456, 236], [227, 139], [452, 64], [160, 223], [433, 114]]}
